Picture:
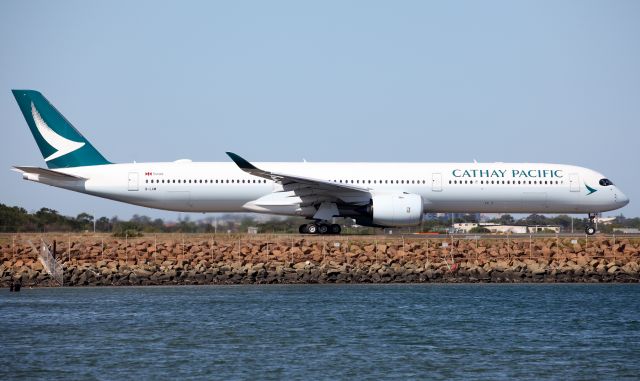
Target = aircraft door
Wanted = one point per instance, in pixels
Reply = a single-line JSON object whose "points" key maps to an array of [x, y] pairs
{"points": [[574, 182], [133, 181], [436, 182]]}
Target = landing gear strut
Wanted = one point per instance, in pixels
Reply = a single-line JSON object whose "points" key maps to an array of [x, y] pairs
{"points": [[319, 228], [590, 228]]}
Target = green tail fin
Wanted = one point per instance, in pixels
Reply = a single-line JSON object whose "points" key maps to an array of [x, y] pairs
{"points": [[61, 145]]}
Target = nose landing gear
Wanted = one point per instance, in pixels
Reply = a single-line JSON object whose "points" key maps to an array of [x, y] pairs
{"points": [[320, 228], [590, 229]]}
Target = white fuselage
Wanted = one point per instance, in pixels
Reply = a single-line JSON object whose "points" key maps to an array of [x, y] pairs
{"points": [[444, 187]]}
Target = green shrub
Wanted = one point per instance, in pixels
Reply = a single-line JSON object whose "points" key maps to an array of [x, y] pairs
{"points": [[479, 229]]}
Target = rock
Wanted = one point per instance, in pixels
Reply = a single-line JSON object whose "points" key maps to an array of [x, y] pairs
{"points": [[300, 265], [142, 273]]}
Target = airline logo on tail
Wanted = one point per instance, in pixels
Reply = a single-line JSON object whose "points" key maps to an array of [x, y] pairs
{"points": [[62, 145]]}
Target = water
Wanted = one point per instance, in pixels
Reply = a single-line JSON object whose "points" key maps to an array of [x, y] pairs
{"points": [[322, 332]]}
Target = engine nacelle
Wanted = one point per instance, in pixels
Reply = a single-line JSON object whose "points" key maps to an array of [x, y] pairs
{"points": [[397, 209]]}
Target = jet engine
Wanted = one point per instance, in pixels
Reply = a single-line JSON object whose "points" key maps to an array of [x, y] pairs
{"points": [[396, 209]]}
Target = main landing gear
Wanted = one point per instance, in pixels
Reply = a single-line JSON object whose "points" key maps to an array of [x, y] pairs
{"points": [[591, 229], [319, 228]]}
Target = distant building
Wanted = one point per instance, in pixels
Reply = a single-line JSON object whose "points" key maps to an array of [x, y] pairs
{"points": [[544, 229], [626, 230], [466, 227]]}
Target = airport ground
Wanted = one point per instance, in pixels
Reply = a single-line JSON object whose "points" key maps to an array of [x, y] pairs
{"points": [[172, 259]]}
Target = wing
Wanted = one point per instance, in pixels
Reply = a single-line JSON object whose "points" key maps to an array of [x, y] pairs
{"points": [[289, 180], [311, 190]]}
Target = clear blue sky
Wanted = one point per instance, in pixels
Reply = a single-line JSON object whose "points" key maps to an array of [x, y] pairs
{"points": [[522, 81]]}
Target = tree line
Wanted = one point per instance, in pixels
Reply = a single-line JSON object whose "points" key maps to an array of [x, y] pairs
{"points": [[15, 219]]}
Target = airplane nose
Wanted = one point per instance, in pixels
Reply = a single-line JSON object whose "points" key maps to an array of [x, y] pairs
{"points": [[621, 198]]}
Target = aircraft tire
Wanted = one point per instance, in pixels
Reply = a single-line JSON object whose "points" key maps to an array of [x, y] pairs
{"points": [[590, 230], [335, 229], [303, 229], [312, 229]]}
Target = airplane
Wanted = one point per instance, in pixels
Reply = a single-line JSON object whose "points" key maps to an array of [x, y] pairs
{"points": [[372, 194]]}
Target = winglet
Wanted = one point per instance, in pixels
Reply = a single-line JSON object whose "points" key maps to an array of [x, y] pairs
{"points": [[242, 163]]}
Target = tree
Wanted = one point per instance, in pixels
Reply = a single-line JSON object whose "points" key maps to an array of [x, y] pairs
{"points": [[536, 219], [84, 221], [13, 219], [103, 224], [563, 221], [506, 219]]}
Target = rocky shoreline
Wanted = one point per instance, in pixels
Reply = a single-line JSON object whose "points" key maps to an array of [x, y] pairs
{"points": [[186, 260]]}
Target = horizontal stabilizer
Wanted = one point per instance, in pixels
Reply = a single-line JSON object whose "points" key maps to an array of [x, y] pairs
{"points": [[49, 173]]}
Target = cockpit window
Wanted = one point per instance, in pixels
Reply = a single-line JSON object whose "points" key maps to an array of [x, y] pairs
{"points": [[605, 182]]}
